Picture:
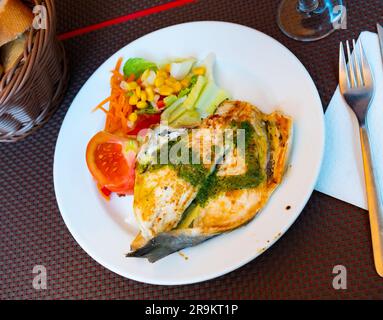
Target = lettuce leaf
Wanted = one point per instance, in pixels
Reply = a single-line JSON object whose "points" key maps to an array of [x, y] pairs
{"points": [[169, 100], [184, 92], [137, 66]]}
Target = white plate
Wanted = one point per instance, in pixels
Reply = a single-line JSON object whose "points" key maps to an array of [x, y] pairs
{"points": [[253, 67]]}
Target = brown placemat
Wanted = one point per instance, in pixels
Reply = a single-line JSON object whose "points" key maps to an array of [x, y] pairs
{"points": [[78, 14], [299, 266]]}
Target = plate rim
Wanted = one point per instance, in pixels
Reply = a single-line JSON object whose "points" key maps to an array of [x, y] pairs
{"points": [[234, 266]]}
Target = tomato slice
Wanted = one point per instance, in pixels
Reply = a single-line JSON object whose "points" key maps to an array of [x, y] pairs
{"points": [[111, 161]]}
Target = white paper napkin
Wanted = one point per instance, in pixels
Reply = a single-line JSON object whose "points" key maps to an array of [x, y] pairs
{"points": [[342, 171]]}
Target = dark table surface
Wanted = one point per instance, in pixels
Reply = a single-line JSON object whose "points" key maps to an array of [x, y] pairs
{"points": [[299, 266]]}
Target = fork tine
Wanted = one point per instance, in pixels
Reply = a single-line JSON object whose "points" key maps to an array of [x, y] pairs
{"points": [[357, 65], [351, 68], [344, 80], [366, 69]]}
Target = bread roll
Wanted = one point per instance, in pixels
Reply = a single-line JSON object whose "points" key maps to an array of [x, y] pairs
{"points": [[15, 19], [11, 52]]}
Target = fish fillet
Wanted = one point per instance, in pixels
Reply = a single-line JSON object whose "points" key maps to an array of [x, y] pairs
{"points": [[231, 193]]}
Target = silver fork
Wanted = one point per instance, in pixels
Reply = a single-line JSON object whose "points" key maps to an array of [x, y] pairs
{"points": [[357, 87]]}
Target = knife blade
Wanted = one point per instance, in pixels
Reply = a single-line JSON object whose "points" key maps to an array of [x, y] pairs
{"points": [[380, 35]]}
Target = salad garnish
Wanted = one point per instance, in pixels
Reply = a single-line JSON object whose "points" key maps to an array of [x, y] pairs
{"points": [[178, 93]]}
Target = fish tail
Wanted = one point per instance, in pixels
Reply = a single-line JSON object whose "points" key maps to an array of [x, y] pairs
{"points": [[167, 243]]}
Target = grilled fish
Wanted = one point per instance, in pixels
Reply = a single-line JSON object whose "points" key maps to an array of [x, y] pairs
{"points": [[164, 189], [233, 188]]}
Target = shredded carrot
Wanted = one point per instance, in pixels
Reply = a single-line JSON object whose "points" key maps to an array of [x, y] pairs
{"points": [[103, 109], [118, 65], [119, 109], [118, 76], [101, 105], [131, 78]]}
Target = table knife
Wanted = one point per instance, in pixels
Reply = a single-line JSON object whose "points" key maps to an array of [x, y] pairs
{"points": [[380, 35]]}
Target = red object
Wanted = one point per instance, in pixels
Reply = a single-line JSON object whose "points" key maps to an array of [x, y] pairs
{"points": [[106, 191], [160, 104], [145, 122], [110, 164], [131, 16]]}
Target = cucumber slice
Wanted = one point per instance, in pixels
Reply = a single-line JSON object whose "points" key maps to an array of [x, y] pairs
{"points": [[190, 101], [211, 97], [189, 118], [165, 116], [195, 93]]}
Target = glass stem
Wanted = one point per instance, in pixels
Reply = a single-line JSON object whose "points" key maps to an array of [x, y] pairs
{"points": [[308, 6]]}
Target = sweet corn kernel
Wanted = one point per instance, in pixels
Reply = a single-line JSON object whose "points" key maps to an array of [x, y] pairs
{"points": [[149, 93], [162, 74], [133, 117], [160, 81], [144, 97], [200, 71], [165, 91], [177, 86], [133, 100], [138, 91], [168, 68], [131, 85], [185, 82], [170, 82], [142, 105]]}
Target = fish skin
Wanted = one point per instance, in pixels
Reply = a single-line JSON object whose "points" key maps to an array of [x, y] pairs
{"points": [[167, 243]]}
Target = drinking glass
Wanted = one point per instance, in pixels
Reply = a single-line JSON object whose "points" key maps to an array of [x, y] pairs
{"points": [[310, 20]]}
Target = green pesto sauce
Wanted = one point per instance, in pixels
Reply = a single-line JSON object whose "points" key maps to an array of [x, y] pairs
{"points": [[195, 174], [251, 179], [211, 185]]}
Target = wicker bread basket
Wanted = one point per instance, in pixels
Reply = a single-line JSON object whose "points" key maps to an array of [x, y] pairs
{"points": [[31, 91]]}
